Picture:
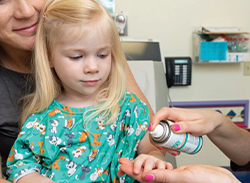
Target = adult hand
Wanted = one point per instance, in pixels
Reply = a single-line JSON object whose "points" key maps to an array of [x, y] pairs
{"points": [[196, 122], [183, 174]]}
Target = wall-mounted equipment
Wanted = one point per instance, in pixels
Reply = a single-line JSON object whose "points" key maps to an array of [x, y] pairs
{"points": [[141, 49], [178, 71], [121, 24]]}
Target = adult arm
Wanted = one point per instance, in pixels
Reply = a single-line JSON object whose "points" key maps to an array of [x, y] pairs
{"points": [[233, 141], [133, 87]]}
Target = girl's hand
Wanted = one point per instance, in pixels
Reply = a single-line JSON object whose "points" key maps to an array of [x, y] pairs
{"points": [[146, 163]]}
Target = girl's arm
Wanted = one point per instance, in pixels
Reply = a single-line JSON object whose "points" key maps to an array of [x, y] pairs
{"points": [[133, 87], [34, 177], [149, 157], [3, 181], [145, 147], [26, 153]]}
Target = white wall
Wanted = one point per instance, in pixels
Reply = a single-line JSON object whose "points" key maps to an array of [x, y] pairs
{"points": [[172, 22]]}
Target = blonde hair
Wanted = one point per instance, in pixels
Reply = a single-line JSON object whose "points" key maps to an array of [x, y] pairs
{"points": [[59, 13]]}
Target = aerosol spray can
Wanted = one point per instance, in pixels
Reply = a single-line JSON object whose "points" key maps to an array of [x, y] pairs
{"points": [[163, 136]]}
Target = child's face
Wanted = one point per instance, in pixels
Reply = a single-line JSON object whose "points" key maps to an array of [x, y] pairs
{"points": [[82, 64]]}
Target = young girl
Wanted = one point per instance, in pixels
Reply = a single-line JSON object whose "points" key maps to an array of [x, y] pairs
{"points": [[80, 120]]}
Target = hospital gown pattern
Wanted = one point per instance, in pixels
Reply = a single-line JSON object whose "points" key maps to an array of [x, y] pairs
{"points": [[55, 143]]}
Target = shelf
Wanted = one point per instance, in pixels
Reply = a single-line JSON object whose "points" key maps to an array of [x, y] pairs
{"points": [[219, 62], [220, 47], [219, 33]]}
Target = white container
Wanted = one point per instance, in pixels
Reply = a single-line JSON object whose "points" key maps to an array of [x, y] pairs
{"points": [[163, 136]]}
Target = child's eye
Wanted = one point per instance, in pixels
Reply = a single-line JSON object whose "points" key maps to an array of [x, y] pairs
{"points": [[102, 56], [76, 57]]}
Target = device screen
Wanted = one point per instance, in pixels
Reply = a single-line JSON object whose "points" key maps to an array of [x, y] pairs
{"points": [[136, 50]]}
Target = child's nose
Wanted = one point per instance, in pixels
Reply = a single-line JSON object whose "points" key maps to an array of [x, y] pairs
{"points": [[91, 65]]}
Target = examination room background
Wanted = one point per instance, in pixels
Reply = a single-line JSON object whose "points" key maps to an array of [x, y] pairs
{"points": [[172, 23]]}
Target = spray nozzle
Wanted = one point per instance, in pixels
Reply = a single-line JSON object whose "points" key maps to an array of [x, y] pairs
{"points": [[158, 131]]}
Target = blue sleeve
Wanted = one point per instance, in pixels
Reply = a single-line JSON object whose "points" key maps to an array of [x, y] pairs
{"points": [[238, 168]]}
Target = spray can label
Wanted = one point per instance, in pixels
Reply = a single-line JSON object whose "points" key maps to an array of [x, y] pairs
{"points": [[181, 142]]}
